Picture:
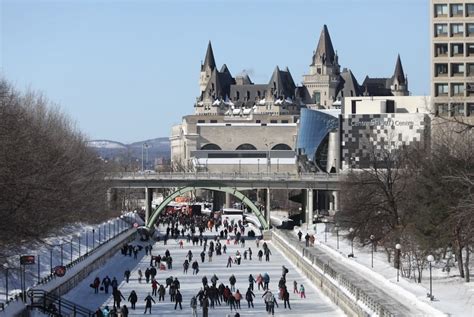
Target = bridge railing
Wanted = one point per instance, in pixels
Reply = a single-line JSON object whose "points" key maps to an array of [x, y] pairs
{"points": [[217, 176]]}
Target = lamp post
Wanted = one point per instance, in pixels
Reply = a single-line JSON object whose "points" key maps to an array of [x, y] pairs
{"points": [[240, 167], [398, 246], [269, 158], [87, 241], [79, 243], [351, 231], [372, 238], [62, 258], [337, 236], [258, 165], [110, 232], [72, 239], [430, 259], [325, 230], [99, 234], [93, 238]]}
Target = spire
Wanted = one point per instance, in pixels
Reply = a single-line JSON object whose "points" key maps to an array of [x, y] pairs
{"points": [[209, 60], [324, 52], [398, 74]]}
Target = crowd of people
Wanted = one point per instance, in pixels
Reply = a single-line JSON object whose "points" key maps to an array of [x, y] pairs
{"points": [[215, 291]]}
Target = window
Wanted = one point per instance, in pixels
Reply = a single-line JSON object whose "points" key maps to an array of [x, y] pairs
{"points": [[470, 29], [457, 89], [470, 49], [457, 10], [470, 109], [457, 69], [457, 29], [273, 121], [441, 29], [237, 95], [201, 121], [441, 89], [470, 89], [442, 108], [316, 97], [470, 69], [258, 121], [457, 49], [441, 10], [441, 49], [213, 121], [457, 109], [470, 9], [441, 70], [284, 121]]}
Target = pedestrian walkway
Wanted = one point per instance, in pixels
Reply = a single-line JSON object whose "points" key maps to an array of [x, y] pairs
{"points": [[399, 306]]}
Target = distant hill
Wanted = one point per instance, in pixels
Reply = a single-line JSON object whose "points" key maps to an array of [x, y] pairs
{"points": [[131, 154]]}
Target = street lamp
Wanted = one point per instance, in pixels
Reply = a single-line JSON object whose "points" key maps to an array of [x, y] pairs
{"points": [[430, 259], [72, 239], [325, 230], [351, 231], [144, 145], [62, 258], [372, 238], [337, 236], [93, 239], [258, 165], [269, 158], [79, 245], [398, 246]]}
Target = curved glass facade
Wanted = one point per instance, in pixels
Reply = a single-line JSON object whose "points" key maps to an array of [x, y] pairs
{"points": [[313, 134]]}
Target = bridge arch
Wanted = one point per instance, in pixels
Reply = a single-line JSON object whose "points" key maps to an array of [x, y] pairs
{"points": [[232, 191]]}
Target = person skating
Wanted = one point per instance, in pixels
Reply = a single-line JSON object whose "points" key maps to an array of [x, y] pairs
{"points": [[266, 281], [205, 307], [126, 274], [124, 311], [259, 281], [286, 297], [306, 237], [237, 297], [232, 281], [178, 299], [249, 296], [133, 298], [302, 293], [231, 301], [96, 285], [229, 262], [147, 275], [154, 287], [204, 281], [140, 275], [193, 305], [214, 279], [284, 271], [117, 294], [295, 287], [114, 284], [203, 256], [250, 254], [185, 266], [148, 304], [260, 254], [267, 253], [251, 281], [99, 313], [300, 234], [195, 267], [161, 293]]}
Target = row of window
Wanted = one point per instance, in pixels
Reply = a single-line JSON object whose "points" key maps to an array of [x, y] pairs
{"points": [[457, 89], [461, 109], [246, 147], [457, 69], [455, 29], [454, 10], [453, 49], [256, 121]]}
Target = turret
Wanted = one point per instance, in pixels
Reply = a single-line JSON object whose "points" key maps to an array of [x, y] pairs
{"points": [[207, 68]]}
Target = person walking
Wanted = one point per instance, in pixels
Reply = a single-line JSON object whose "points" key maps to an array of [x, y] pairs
{"points": [[260, 254], [232, 281], [295, 287], [237, 297], [249, 296], [251, 281], [267, 254], [117, 295], [266, 281], [300, 234], [229, 262], [124, 311], [195, 267], [133, 298], [96, 285], [148, 304], [161, 293], [178, 299], [306, 237], [259, 281], [205, 307], [106, 282]]}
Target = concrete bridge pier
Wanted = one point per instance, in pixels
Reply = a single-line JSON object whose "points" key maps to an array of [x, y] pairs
{"points": [[148, 199], [309, 208]]}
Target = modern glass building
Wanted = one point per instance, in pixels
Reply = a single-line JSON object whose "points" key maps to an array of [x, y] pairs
{"points": [[314, 136]]}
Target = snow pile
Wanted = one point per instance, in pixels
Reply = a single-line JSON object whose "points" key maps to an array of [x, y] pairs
{"points": [[105, 144]]}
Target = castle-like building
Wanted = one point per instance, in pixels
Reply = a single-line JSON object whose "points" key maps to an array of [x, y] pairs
{"points": [[241, 126]]}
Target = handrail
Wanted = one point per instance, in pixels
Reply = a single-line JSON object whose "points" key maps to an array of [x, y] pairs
{"points": [[63, 307]]}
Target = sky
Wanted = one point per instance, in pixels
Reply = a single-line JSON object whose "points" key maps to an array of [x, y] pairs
{"points": [[129, 70]]}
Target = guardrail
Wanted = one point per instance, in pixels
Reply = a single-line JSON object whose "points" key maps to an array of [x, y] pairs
{"points": [[219, 176], [55, 305]]}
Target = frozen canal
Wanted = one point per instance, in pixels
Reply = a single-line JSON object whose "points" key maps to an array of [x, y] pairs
{"points": [[315, 303]]}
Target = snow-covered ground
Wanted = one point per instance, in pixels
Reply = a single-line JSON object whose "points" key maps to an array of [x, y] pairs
{"points": [[48, 254], [315, 304], [452, 295]]}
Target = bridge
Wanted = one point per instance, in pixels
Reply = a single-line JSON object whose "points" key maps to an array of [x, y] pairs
{"points": [[230, 183]]}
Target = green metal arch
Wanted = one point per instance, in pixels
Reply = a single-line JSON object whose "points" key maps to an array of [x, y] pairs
{"points": [[228, 190]]}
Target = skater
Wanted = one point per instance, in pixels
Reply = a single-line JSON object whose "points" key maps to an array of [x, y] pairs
{"points": [[295, 287], [193, 305], [260, 254], [232, 281], [185, 266], [133, 298], [259, 281], [126, 274], [266, 281], [237, 297], [300, 234], [106, 282], [205, 307], [267, 254], [140, 275], [195, 267], [251, 281], [306, 237], [302, 294], [154, 287], [178, 298], [286, 298], [148, 301], [229, 262], [161, 293], [284, 271], [203, 256], [124, 311], [117, 294], [249, 296], [96, 285]]}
